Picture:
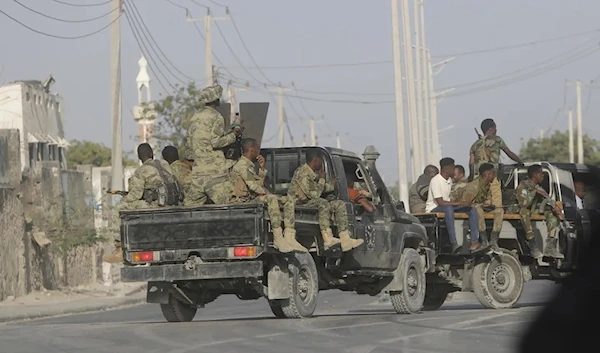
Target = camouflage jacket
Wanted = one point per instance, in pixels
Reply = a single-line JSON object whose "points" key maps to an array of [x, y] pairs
{"points": [[487, 150], [183, 174], [458, 190], [248, 183], [417, 194], [306, 184], [478, 191], [526, 194], [146, 177], [205, 140]]}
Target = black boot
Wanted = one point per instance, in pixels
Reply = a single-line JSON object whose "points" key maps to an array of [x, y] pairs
{"points": [[484, 239], [551, 249], [535, 252], [494, 236]]}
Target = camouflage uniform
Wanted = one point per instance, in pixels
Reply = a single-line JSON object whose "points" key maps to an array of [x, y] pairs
{"points": [[249, 187], [306, 187], [487, 150], [458, 190], [210, 174], [183, 174], [145, 179], [480, 194]]}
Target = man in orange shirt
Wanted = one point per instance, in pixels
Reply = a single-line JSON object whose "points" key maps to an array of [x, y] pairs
{"points": [[356, 196]]}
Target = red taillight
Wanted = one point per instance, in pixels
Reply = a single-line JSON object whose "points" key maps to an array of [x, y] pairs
{"points": [[144, 256], [245, 251]]}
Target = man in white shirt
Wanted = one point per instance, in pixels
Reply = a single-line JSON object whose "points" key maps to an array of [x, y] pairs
{"points": [[438, 200], [580, 194]]}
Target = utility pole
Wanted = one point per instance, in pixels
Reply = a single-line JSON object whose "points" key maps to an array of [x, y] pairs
{"points": [[410, 80], [435, 142], [419, 98], [579, 124], [281, 124], [210, 77], [400, 134], [571, 139], [338, 140], [541, 134], [425, 79], [232, 101], [115, 97]]}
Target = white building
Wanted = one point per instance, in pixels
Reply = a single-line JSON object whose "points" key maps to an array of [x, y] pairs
{"points": [[29, 107], [144, 119]]}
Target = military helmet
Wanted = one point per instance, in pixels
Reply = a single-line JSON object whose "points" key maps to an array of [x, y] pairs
{"points": [[188, 154], [211, 94]]}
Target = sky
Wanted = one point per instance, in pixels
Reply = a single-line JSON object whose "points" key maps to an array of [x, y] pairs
{"points": [[312, 32]]}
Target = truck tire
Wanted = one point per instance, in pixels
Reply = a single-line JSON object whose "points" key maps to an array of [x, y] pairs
{"points": [[275, 306], [177, 311], [433, 299], [498, 281], [410, 299], [304, 287]]}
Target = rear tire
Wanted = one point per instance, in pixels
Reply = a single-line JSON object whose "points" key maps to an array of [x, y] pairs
{"points": [[433, 299], [304, 287], [410, 299], [498, 281], [177, 311], [275, 306]]}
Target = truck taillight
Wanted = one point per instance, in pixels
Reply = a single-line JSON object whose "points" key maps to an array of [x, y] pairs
{"points": [[145, 256], [242, 251]]}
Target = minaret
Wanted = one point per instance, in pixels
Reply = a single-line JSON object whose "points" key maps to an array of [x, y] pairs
{"points": [[145, 121]]}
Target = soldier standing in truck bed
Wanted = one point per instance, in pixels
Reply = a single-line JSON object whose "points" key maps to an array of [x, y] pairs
{"points": [[487, 150]]}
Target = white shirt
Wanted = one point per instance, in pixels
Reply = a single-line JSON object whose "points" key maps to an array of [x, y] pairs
{"points": [[579, 202], [438, 187]]}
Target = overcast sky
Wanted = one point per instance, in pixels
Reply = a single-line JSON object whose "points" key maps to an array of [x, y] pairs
{"points": [[311, 32]]}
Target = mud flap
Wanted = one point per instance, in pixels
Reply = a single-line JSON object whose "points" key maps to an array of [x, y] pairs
{"points": [[158, 292], [278, 281], [467, 276]]}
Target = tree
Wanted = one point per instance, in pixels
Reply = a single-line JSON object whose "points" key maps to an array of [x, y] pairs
{"points": [[96, 154], [173, 114], [556, 149]]}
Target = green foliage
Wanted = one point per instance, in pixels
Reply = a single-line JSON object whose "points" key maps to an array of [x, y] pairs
{"points": [[173, 114], [74, 232], [96, 154], [556, 149]]}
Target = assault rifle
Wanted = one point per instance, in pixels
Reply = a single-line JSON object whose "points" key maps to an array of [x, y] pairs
{"points": [[117, 192]]}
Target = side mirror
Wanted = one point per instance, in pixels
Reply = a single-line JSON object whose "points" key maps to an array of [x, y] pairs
{"points": [[400, 206]]}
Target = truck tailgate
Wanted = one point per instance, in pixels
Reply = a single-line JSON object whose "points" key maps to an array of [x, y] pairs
{"points": [[210, 226]]}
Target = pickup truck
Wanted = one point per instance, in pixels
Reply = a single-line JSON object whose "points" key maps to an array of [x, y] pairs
{"points": [[191, 256], [498, 280]]}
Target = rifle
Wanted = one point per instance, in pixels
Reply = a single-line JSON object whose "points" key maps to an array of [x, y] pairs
{"points": [[477, 132], [117, 192], [564, 225]]}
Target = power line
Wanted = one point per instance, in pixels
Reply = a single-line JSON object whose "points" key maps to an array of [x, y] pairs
{"points": [[56, 36], [82, 5], [139, 16], [199, 4], [63, 20], [216, 3]]}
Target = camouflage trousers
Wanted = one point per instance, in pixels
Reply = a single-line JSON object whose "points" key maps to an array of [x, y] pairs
{"points": [[551, 222], [496, 191], [325, 209], [498, 219], [274, 205], [218, 189], [115, 221]]}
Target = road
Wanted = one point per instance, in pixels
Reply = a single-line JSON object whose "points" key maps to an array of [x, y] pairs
{"points": [[344, 322]]}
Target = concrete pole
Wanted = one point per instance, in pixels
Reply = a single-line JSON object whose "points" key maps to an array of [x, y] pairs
{"points": [[281, 119], [115, 101], [208, 66], [579, 125], [400, 134], [541, 134], [410, 80], [232, 100], [313, 136], [338, 140], [435, 141], [426, 102], [571, 139], [419, 98]]}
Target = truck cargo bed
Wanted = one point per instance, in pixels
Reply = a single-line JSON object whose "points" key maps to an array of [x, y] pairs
{"points": [[209, 226]]}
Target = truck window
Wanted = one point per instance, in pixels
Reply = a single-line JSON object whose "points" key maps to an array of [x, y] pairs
{"points": [[282, 165], [522, 175], [362, 182]]}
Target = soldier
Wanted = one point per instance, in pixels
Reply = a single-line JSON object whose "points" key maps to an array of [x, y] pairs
{"points": [[152, 185], [307, 187], [181, 169], [459, 181], [529, 193], [210, 174], [358, 196], [487, 150], [249, 187], [417, 197], [478, 193]]}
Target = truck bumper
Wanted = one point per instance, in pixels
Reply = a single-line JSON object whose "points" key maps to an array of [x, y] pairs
{"points": [[178, 272]]}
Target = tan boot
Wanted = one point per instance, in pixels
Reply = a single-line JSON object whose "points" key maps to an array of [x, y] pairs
{"points": [[328, 239], [279, 242], [114, 258], [349, 243], [290, 237]]}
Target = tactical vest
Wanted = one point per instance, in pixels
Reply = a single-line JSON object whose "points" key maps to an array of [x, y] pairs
{"points": [[171, 191]]}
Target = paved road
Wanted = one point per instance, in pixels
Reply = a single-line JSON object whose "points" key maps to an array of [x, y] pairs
{"points": [[344, 323]]}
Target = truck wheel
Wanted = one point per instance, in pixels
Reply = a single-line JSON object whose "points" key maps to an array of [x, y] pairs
{"points": [[498, 281], [433, 299], [177, 311], [410, 299], [275, 306], [304, 287]]}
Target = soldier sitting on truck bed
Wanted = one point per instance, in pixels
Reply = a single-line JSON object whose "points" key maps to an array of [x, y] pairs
{"points": [[529, 195], [459, 181], [417, 195], [249, 187], [307, 187], [182, 170], [479, 194], [152, 185]]}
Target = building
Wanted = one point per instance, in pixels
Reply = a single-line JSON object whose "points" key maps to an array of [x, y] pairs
{"points": [[142, 116], [29, 107]]}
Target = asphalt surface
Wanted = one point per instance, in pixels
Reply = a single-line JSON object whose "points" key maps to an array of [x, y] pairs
{"points": [[343, 322]]}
